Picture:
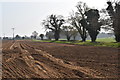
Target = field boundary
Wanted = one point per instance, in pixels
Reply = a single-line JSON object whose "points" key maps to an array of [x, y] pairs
{"points": [[87, 43]]}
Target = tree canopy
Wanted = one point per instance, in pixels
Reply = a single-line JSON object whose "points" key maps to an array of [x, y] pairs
{"points": [[54, 23]]}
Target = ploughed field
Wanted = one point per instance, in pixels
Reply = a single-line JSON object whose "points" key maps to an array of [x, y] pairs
{"points": [[29, 59]]}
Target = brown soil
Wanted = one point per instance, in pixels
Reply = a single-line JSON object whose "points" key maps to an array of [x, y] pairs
{"points": [[28, 59]]}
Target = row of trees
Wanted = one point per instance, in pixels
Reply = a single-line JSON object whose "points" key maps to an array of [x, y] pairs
{"points": [[67, 31], [35, 34], [85, 20]]}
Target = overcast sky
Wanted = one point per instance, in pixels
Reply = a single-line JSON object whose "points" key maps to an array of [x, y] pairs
{"points": [[26, 15]]}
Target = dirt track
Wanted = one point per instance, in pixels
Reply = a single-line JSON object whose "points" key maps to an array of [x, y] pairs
{"points": [[27, 59]]}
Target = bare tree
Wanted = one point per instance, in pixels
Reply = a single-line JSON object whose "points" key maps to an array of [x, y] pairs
{"points": [[34, 34], [54, 23], [49, 35], [78, 17], [68, 31], [114, 13], [75, 32], [17, 37], [41, 36]]}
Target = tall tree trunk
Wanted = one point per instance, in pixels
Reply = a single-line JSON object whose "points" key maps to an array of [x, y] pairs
{"points": [[68, 38], [83, 38], [84, 35], [41, 38], [57, 35], [117, 37], [115, 15], [116, 25], [93, 35]]}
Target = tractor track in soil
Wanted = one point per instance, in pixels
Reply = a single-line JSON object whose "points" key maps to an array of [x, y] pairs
{"points": [[23, 60], [84, 71]]}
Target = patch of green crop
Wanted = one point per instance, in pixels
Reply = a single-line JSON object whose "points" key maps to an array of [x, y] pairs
{"points": [[105, 40], [108, 42]]}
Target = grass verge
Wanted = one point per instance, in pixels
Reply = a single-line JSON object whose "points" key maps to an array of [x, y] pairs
{"points": [[108, 42]]}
